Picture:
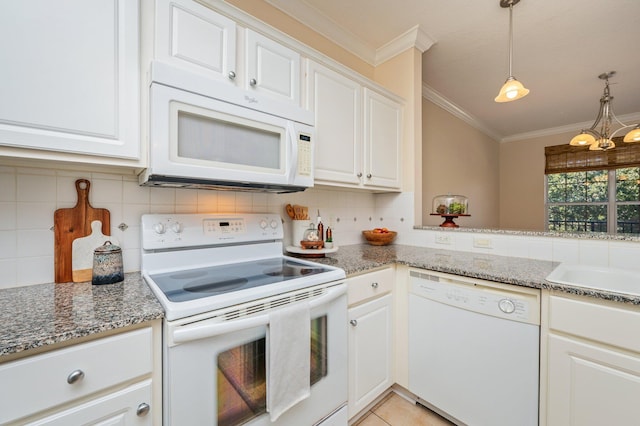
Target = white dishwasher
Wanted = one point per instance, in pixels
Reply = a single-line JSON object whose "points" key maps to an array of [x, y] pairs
{"points": [[474, 349]]}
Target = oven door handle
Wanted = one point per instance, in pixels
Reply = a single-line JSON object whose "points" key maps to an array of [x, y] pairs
{"points": [[196, 332]]}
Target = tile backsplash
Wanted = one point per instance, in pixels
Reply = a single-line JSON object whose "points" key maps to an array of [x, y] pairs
{"points": [[30, 196]]}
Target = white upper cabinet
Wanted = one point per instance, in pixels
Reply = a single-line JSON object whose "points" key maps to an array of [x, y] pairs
{"points": [[382, 140], [272, 68], [198, 39], [70, 79], [191, 36], [337, 103], [358, 132]]}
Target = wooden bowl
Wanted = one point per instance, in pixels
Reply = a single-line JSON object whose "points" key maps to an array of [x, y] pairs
{"points": [[314, 245], [379, 238]]}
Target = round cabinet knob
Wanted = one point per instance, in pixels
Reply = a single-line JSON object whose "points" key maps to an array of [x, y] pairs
{"points": [[143, 409], [75, 376], [232, 75], [507, 306], [263, 224], [274, 224], [359, 175], [374, 285], [177, 227], [353, 322], [253, 82], [368, 175], [159, 228]]}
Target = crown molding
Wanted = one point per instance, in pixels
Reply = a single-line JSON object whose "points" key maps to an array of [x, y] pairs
{"points": [[432, 95], [414, 37], [575, 127], [320, 23]]}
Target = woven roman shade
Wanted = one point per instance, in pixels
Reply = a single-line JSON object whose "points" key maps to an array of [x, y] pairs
{"points": [[566, 158]]}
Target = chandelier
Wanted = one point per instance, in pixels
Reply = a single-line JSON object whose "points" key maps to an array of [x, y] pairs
{"points": [[512, 89], [599, 140]]}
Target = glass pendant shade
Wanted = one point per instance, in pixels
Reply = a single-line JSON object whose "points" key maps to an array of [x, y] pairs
{"points": [[633, 135], [583, 139], [511, 90], [602, 144]]}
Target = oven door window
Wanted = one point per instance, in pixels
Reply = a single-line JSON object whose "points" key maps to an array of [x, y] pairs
{"points": [[241, 376], [213, 138]]}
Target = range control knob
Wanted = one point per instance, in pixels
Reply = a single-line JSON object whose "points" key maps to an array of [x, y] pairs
{"points": [[263, 224], [159, 228], [274, 224], [507, 306], [177, 227]]}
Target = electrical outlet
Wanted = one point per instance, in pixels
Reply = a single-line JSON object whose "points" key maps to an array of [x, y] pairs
{"points": [[482, 242], [443, 239]]}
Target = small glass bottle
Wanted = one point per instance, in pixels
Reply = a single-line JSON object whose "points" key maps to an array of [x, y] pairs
{"points": [[320, 227]]}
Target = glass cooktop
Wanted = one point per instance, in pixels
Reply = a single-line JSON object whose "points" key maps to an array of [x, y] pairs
{"points": [[181, 286]]}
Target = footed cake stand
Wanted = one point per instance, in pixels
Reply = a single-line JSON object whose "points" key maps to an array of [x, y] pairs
{"points": [[448, 219]]}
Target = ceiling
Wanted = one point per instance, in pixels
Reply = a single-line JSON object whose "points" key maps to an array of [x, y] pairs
{"points": [[560, 48]]}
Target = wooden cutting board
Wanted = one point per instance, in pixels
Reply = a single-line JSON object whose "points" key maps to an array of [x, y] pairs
{"points": [[82, 252], [73, 223]]}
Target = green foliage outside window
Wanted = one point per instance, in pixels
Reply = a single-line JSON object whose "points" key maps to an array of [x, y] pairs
{"points": [[581, 201]]}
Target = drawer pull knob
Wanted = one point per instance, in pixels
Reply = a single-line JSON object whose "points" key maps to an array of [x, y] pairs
{"points": [[75, 376], [253, 82], [232, 75], [353, 322], [143, 409], [374, 285]]}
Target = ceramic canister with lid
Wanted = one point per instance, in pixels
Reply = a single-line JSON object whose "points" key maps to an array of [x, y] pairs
{"points": [[107, 264]]}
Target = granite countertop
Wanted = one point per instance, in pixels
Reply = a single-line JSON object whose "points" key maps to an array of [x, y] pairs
{"points": [[503, 269], [40, 315], [44, 314]]}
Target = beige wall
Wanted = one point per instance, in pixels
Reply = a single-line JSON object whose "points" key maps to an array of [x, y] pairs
{"points": [[459, 159], [522, 181], [283, 22]]}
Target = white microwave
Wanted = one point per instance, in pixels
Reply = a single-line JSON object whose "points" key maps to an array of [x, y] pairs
{"points": [[202, 136]]}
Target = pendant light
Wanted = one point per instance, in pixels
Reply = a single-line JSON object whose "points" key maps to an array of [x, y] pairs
{"points": [[512, 88], [602, 139]]}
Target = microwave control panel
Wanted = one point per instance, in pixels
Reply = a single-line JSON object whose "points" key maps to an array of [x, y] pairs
{"points": [[305, 154]]}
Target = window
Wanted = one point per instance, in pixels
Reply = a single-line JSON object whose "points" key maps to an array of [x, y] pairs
{"points": [[593, 191]]}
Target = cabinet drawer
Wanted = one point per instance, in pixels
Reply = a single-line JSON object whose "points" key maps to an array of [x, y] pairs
{"points": [[369, 285], [40, 382], [612, 325]]}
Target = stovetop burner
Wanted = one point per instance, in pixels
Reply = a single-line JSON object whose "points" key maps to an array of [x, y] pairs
{"points": [[181, 286]]}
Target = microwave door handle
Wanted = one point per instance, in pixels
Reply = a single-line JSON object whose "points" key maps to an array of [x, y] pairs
{"points": [[190, 333], [292, 152]]}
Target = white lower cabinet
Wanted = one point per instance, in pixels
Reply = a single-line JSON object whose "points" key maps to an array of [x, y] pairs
{"points": [[114, 380], [370, 338], [592, 363]]}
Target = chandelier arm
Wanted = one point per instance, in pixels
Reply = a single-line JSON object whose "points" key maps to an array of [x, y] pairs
{"points": [[624, 126], [599, 117]]}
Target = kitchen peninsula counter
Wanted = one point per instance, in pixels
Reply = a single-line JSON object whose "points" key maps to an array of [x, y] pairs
{"points": [[36, 316], [355, 259]]}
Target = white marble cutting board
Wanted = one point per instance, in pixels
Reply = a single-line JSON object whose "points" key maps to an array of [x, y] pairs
{"points": [[82, 252]]}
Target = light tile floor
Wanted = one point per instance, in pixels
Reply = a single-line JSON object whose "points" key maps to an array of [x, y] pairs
{"points": [[394, 410]]}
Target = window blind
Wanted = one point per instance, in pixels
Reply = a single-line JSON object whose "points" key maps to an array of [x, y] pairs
{"points": [[566, 158]]}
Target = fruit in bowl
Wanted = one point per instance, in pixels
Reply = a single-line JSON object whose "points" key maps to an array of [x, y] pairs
{"points": [[379, 236]]}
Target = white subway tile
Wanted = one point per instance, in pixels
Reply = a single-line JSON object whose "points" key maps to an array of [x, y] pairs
{"points": [[36, 188], [8, 220], [566, 250], [34, 270], [134, 193], [35, 215], [131, 213], [624, 254], [8, 244], [165, 196], [594, 252], [131, 260], [7, 187], [9, 273], [66, 191], [540, 248], [104, 191], [34, 242]]}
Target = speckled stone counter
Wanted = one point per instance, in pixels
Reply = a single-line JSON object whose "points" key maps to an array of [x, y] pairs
{"points": [[503, 269], [44, 314]]}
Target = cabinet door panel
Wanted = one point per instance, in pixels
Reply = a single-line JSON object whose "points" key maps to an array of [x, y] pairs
{"points": [[590, 384], [370, 353], [337, 104], [191, 36], [116, 409], [383, 140], [70, 79], [274, 67]]}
